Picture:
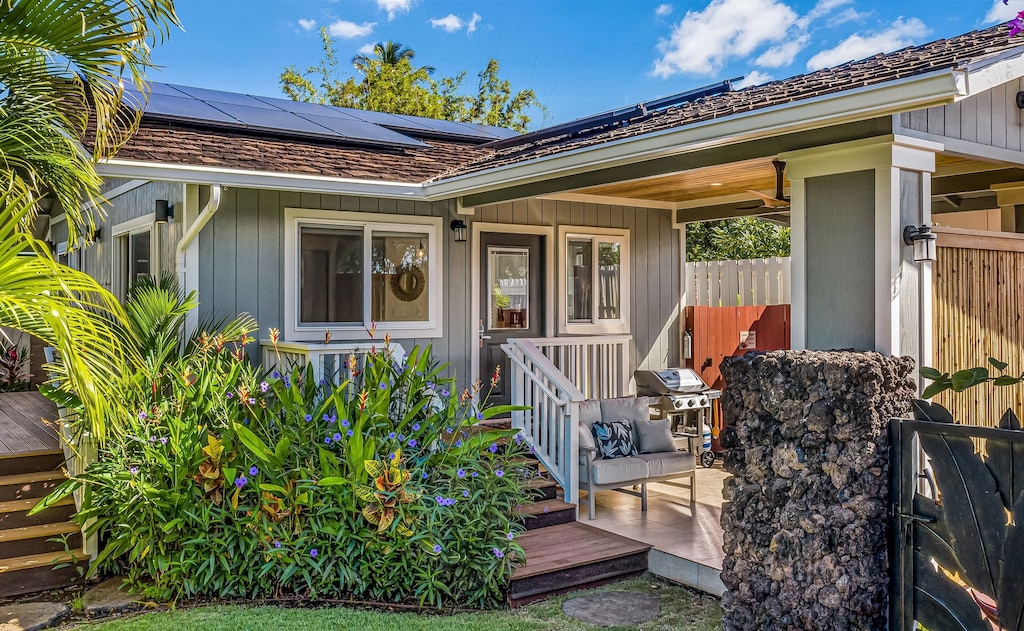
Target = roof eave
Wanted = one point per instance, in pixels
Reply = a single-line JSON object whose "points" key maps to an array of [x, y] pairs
{"points": [[924, 90]]}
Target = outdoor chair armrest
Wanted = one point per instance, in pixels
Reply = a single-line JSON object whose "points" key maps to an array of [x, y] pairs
{"points": [[587, 455]]}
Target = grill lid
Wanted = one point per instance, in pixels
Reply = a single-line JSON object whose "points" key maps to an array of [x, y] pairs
{"points": [[668, 381]]}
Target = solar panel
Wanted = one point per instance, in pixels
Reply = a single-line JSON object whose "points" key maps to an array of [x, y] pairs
{"points": [[388, 120], [448, 128], [361, 130], [496, 132], [182, 107], [209, 96], [303, 108], [272, 119]]}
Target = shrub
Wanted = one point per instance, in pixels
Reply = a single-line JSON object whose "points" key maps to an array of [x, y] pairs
{"points": [[227, 482]]}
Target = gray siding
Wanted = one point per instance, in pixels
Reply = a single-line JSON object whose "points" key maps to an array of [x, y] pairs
{"points": [[990, 118], [840, 261], [241, 263]]}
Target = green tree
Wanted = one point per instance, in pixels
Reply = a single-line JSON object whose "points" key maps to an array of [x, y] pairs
{"points": [[735, 239], [63, 66], [387, 81]]}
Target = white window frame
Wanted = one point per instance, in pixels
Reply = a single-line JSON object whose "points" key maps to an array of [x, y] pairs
{"points": [[120, 253], [297, 218], [597, 236]]}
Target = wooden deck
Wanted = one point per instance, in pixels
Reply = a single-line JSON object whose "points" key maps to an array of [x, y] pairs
{"points": [[22, 426]]}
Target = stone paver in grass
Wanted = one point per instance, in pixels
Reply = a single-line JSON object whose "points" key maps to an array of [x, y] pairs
{"points": [[31, 616], [109, 597], [613, 609]]}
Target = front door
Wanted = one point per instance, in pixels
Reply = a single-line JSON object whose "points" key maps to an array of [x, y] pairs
{"points": [[511, 301]]}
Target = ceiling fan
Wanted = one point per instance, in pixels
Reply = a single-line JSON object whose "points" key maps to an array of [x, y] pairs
{"points": [[780, 201]]}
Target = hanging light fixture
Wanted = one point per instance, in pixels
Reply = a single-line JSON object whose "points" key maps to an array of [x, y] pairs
{"points": [[421, 251], [923, 240], [458, 226]]}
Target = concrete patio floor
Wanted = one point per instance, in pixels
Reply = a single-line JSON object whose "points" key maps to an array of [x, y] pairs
{"points": [[687, 538]]}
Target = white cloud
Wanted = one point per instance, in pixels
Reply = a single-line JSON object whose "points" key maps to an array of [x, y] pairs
{"points": [[451, 23], [394, 7], [820, 10], [902, 33], [366, 49], [663, 10], [1001, 12], [705, 40], [308, 25], [783, 54], [350, 30], [754, 77]]}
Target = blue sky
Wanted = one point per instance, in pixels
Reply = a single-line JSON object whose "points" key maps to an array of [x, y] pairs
{"points": [[582, 57]]}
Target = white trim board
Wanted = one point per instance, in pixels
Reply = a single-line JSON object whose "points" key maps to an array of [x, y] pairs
{"points": [[478, 227]]}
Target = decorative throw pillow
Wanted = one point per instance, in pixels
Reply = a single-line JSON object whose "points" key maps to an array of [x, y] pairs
{"points": [[654, 436], [614, 439]]}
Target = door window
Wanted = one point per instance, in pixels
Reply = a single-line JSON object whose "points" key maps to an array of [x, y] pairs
{"points": [[509, 288]]}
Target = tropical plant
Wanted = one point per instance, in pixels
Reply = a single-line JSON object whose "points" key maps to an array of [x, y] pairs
{"points": [[387, 81], [63, 68], [735, 239], [967, 378]]}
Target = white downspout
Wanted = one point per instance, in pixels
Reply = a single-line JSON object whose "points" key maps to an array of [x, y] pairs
{"points": [[187, 277]]}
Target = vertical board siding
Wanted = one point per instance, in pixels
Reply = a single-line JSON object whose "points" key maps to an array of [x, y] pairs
{"points": [[978, 305], [737, 283], [988, 118]]}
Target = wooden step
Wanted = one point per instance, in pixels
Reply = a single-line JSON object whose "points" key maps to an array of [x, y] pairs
{"points": [[31, 462], [34, 573], [28, 485], [546, 513], [14, 514], [541, 488], [572, 555], [29, 540]]}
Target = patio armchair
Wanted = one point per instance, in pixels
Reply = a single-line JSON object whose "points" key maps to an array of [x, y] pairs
{"points": [[623, 474]]}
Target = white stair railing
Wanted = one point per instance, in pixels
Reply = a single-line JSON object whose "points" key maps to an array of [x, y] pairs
{"points": [[549, 424], [597, 365], [330, 361]]}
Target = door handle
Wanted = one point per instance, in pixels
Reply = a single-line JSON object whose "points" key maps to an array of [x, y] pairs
{"points": [[481, 334]]}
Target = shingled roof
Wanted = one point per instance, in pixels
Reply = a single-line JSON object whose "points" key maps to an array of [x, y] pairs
{"points": [[915, 60]]}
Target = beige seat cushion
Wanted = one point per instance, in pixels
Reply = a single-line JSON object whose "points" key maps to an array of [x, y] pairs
{"points": [[617, 470], [669, 463]]}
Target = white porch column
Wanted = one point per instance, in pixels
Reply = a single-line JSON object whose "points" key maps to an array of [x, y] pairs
{"points": [[855, 284]]}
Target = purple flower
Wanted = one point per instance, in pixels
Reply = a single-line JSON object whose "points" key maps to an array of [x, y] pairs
{"points": [[499, 473], [245, 421], [391, 436], [230, 395], [133, 470], [383, 386], [240, 481], [498, 553], [327, 440], [314, 552], [254, 470], [277, 544], [465, 494], [391, 456], [336, 437], [163, 440], [424, 476], [448, 429], [287, 382], [264, 386], [474, 474], [401, 437], [430, 384], [444, 392], [510, 536], [437, 548], [458, 443], [479, 416], [349, 433], [275, 375], [493, 448], [327, 417], [308, 417], [415, 427], [412, 442], [344, 422], [546, 509], [152, 439], [439, 500], [461, 473], [252, 401], [142, 416]]}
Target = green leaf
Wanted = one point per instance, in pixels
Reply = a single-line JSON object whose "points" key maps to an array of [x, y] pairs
{"points": [[928, 372], [253, 443], [1006, 380], [333, 481], [999, 365], [963, 379], [934, 389]]}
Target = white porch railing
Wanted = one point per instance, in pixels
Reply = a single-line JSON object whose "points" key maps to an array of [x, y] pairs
{"points": [[554, 407], [597, 365], [330, 361]]}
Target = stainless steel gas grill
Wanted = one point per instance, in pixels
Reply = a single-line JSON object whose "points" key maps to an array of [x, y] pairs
{"points": [[683, 397]]}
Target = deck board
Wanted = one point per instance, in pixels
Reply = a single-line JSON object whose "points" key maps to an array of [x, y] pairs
{"points": [[569, 545], [22, 426]]}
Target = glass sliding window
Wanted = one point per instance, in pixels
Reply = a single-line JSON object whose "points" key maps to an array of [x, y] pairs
{"points": [[331, 275], [138, 258], [401, 273], [609, 272], [579, 284], [509, 295]]}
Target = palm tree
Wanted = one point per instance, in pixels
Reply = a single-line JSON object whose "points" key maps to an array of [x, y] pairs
{"points": [[389, 53], [63, 68]]}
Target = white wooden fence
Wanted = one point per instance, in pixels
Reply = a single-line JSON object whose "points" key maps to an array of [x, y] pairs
{"points": [[738, 283]]}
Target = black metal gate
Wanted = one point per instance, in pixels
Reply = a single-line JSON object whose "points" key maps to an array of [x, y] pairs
{"points": [[958, 517]]}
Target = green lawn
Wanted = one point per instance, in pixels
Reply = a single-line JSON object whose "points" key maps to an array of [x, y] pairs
{"points": [[680, 609]]}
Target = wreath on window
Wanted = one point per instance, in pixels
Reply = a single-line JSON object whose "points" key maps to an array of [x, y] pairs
{"points": [[407, 283]]}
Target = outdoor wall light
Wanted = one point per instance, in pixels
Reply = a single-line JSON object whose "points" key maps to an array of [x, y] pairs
{"points": [[95, 235], [164, 211], [458, 226], [923, 240]]}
